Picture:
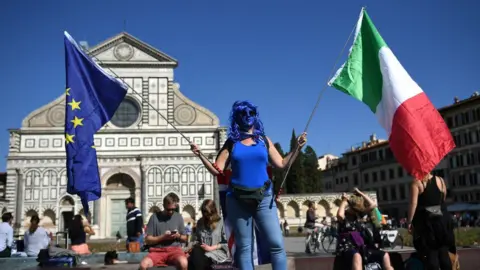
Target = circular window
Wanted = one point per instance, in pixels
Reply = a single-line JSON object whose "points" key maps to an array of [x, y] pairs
{"points": [[127, 114]]}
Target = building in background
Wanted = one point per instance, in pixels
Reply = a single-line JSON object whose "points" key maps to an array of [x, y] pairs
{"points": [[372, 166], [3, 192], [139, 154], [324, 160]]}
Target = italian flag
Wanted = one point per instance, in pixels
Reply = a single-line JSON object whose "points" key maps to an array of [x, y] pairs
{"points": [[418, 135]]}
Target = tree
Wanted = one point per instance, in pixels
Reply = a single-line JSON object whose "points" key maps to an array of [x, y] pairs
{"points": [[312, 173], [277, 173], [296, 177]]}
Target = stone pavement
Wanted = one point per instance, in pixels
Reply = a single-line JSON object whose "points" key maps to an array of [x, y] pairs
{"points": [[297, 259]]}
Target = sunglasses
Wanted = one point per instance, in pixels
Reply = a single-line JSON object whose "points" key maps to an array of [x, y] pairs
{"points": [[170, 209], [249, 113]]}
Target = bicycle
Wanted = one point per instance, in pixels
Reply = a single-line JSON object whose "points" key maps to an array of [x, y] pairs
{"points": [[327, 240], [313, 242]]}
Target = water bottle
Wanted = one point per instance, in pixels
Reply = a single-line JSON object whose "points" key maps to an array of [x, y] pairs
{"points": [[14, 247]]}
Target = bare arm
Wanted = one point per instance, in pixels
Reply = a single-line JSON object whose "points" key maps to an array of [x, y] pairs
{"points": [[341, 210], [444, 188], [221, 160], [370, 202], [412, 207], [277, 160], [153, 240]]}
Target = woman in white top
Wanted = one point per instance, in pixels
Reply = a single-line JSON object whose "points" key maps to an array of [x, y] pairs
{"points": [[36, 238]]}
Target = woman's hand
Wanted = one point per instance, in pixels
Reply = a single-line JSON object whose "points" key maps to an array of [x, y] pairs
{"points": [[356, 191], [208, 248], [302, 139], [344, 196], [195, 149], [410, 228]]}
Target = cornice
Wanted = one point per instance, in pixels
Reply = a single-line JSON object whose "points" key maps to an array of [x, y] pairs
{"points": [[60, 130], [130, 64], [126, 37], [101, 158]]}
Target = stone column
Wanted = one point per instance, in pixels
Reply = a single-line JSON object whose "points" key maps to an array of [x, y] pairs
{"points": [[144, 198], [19, 201], [96, 212]]}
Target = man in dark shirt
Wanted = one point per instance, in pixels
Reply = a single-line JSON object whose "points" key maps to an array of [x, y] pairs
{"points": [[309, 224], [134, 223], [165, 234]]}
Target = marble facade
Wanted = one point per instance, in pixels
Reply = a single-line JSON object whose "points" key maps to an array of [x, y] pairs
{"points": [[139, 154]]}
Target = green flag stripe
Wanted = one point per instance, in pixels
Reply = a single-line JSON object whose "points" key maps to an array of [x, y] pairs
{"points": [[361, 77]]}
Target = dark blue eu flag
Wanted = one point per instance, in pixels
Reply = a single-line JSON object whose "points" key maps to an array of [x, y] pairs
{"points": [[92, 97]]}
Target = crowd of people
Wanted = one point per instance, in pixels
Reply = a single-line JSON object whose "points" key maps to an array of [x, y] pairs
{"points": [[249, 201]]}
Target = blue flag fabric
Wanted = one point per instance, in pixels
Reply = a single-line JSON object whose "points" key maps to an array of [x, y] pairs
{"points": [[92, 97]]}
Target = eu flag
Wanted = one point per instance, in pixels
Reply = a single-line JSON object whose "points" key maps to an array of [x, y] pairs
{"points": [[92, 97]]}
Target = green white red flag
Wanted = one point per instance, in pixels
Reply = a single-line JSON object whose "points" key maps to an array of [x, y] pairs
{"points": [[418, 135]]}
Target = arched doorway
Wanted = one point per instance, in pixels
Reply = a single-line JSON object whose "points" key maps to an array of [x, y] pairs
{"points": [[26, 220], [118, 187], [66, 210], [188, 214]]}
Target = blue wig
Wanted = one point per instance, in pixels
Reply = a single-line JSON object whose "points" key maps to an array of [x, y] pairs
{"points": [[243, 116]]}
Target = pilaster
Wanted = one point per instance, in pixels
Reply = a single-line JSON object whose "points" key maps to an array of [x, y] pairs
{"points": [[19, 199], [144, 199]]}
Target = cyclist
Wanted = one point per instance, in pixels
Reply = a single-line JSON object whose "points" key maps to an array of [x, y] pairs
{"points": [[310, 224]]}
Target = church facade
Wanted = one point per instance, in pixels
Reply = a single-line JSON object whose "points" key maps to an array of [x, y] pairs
{"points": [[139, 154]]}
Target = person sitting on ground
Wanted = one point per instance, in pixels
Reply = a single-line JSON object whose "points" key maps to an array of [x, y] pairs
{"points": [[6, 235], [211, 247], [356, 247], [79, 228], [165, 234], [36, 238]]}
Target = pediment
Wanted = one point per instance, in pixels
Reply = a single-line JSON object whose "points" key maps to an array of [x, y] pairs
{"points": [[188, 113], [47, 116], [128, 50]]}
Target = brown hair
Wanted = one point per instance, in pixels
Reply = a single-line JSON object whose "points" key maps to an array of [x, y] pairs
{"points": [[35, 219], [357, 203], [169, 199], [210, 216]]}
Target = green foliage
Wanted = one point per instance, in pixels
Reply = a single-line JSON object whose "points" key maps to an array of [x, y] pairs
{"points": [[278, 173], [304, 176], [312, 174], [296, 177], [463, 237]]}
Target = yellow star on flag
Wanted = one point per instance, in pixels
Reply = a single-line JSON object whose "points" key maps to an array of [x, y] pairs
{"points": [[69, 138], [74, 104], [67, 92], [77, 122]]}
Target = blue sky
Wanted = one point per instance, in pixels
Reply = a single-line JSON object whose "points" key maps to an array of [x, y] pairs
{"points": [[277, 54]]}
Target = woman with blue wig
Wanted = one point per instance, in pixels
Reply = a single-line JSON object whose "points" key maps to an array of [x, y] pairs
{"points": [[249, 200]]}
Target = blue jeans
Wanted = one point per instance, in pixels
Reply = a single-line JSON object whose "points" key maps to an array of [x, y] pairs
{"points": [[241, 216]]}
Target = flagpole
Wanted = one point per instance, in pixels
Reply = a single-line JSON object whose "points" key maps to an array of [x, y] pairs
{"points": [[149, 104], [320, 95]]}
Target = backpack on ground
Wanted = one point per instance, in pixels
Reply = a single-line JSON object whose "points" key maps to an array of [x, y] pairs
{"points": [[414, 262], [396, 260]]}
